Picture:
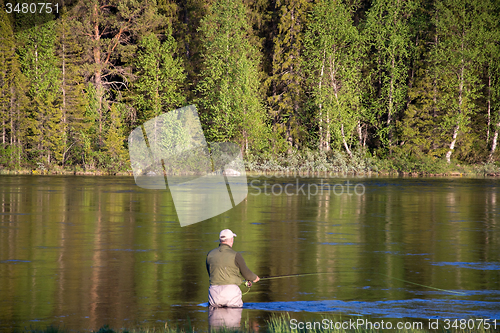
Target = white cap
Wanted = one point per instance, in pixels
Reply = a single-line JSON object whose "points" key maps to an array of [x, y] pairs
{"points": [[226, 234]]}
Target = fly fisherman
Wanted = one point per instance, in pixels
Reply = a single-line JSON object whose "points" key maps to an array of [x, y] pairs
{"points": [[227, 270]]}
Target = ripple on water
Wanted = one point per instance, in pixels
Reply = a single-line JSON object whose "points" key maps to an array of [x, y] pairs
{"points": [[483, 266], [411, 308]]}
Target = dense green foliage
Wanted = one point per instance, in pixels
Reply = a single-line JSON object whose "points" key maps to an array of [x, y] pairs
{"points": [[413, 79]]}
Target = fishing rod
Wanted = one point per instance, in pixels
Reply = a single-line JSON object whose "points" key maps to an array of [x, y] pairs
{"points": [[291, 275], [248, 284]]}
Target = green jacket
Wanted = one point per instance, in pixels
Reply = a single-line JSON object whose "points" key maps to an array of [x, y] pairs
{"points": [[226, 266]]}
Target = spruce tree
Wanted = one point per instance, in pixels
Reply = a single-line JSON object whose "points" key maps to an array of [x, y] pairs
{"points": [[160, 77], [186, 31], [114, 140], [39, 64], [13, 100], [7, 57], [69, 57], [418, 127], [286, 99]]}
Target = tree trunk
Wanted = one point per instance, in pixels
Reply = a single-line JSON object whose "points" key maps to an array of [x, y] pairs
{"points": [[489, 110], [328, 135], [335, 85], [246, 143], [412, 76], [452, 144], [295, 106], [434, 81], [97, 72], [322, 139], [3, 131], [391, 102], [494, 144], [63, 89], [186, 40], [360, 133], [345, 142], [14, 131], [12, 138], [4, 111], [457, 127]]}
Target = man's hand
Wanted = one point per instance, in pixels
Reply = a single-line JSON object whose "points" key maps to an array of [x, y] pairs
{"points": [[249, 283]]}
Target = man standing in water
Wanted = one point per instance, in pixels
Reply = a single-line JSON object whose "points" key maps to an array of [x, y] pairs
{"points": [[225, 268]]}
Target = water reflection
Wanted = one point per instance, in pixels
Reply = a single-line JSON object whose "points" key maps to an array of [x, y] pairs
{"points": [[220, 318], [88, 251]]}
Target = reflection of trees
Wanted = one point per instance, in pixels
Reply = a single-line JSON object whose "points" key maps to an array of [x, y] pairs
{"points": [[97, 293], [94, 248]]}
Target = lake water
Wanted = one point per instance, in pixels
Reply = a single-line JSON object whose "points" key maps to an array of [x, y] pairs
{"points": [[80, 252]]}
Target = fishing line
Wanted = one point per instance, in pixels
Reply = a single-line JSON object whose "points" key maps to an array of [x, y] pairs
{"points": [[319, 273], [422, 285]]}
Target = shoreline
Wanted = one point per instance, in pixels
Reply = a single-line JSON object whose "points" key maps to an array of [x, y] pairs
{"points": [[305, 164], [363, 174]]}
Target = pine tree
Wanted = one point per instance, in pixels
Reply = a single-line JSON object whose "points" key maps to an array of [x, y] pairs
{"points": [[109, 29]]}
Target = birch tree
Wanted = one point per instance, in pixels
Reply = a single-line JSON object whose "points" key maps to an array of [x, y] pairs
{"points": [[333, 53], [388, 28], [230, 106], [492, 63], [460, 27]]}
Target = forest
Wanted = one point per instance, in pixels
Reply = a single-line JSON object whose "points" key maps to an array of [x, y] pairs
{"points": [[405, 80]]}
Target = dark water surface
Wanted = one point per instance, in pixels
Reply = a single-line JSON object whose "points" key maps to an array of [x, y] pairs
{"points": [[81, 252]]}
